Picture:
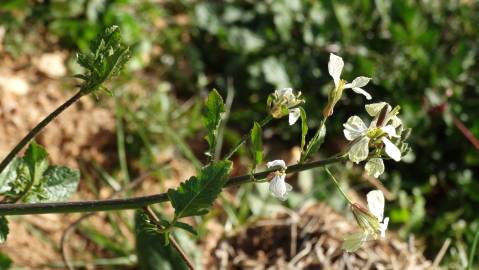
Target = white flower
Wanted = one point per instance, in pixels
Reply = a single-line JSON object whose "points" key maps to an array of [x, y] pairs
{"points": [[278, 186], [335, 67], [285, 98], [375, 200], [355, 130]]}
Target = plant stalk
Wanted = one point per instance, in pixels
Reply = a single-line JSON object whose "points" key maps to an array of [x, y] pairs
{"points": [[32, 133], [139, 202], [173, 242]]}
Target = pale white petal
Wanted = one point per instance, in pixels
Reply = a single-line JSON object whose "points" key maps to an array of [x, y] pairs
{"points": [[391, 149], [373, 109], [278, 187], [375, 200], [359, 151], [374, 167], [395, 121], [294, 115], [354, 128], [288, 187], [276, 163], [360, 82], [390, 130], [361, 91], [335, 67], [383, 227]]}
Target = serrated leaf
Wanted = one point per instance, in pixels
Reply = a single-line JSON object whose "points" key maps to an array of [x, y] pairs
{"points": [[9, 175], [304, 127], [257, 144], [3, 229], [195, 196], [152, 251], [186, 227], [36, 159], [59, 183], [212, 112], [106, 58]]}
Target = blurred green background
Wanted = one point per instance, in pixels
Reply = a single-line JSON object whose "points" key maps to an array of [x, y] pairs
{"points": [[422, 55]]}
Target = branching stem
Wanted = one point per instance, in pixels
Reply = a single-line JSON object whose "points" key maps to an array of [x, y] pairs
{"points": [[37, 129], [140, 202]]}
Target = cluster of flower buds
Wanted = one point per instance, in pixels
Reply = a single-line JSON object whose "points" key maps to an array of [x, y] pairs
{"points": [[283, 102]]}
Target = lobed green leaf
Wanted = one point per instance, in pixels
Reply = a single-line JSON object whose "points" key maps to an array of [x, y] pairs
{"points": [[59, 184], [195, 196]]}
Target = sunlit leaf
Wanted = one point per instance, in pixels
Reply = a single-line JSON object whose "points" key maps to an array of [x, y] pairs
{"points": [[195, 196]]}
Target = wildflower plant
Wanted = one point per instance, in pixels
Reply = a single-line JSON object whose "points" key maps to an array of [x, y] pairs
{"points": [[43, 188]]}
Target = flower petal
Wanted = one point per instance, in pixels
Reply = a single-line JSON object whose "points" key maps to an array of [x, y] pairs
{"points": [[395, 121], [354, 128], [360, 82], [276, 163], [390, 130], [374, 167], [375, 200], [278, 187], [391, 149], [383, 227], [294, 115], [359, 151], [335, 67], [361, 91], [373, 109]]}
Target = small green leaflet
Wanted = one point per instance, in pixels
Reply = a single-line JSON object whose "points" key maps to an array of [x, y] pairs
{"points": [[3, 229], [315, 142], [31, 179], [212, 112], [304, 127], [36, 159], [59, 183], [195, 196], [257, 144], [106, 58]]}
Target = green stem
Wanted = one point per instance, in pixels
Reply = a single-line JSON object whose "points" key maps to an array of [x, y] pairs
{"points": [[138, 202], [37, 129], [338, 186], [473, 250], [235, 148]]}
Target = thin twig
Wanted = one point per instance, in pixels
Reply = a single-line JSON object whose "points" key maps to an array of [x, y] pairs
{"points": [[173, 242], [32, 133], [142, 201]]}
